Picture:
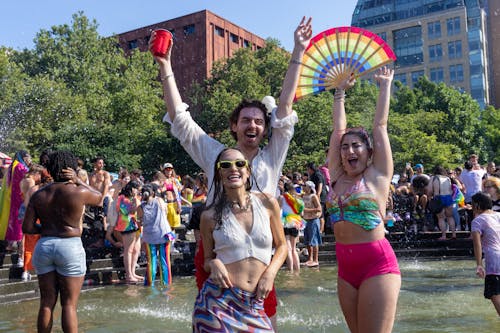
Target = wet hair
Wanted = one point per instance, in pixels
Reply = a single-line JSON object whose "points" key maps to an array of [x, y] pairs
{"points": [[235, 115], [80, 162], [127, 189], [468, 165], [482, 201], [60, 160], [220, 201], [362, 134]]}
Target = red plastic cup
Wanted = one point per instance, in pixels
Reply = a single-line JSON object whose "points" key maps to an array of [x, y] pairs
{"points": [[161, 43]]}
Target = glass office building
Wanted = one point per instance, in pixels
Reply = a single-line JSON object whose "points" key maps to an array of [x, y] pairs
{"points": [[446, 40]]}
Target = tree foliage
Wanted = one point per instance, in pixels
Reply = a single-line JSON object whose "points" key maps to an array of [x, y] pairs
{"points": [[77, 90]]}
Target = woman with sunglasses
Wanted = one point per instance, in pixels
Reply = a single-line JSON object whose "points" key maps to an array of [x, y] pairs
{"points": [[368, 274], [239, 230]]}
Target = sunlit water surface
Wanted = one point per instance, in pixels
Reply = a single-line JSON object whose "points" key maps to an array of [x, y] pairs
{"points": [[436, 296]]}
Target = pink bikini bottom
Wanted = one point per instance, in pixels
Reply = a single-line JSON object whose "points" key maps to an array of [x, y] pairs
{"points": [[358, 262]]}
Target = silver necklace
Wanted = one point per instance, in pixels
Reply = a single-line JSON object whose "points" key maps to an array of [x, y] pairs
{"points": [[244, 207]]}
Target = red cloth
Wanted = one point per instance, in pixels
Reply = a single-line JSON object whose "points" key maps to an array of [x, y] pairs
{"points": [[270, 303]]}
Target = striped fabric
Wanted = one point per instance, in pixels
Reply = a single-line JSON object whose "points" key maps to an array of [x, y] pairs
{"points": [[228, 310], [158, 254]]}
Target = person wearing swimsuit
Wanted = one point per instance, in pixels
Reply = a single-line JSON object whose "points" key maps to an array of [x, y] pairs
{"points": [[238, 230], [369, 279]]}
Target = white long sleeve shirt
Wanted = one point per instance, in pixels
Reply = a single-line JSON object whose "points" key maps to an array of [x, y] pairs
{"points": [[267, 164]]}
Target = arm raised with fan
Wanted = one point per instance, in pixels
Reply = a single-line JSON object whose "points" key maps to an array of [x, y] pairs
{"points": [[336, 54], [302, 38]]}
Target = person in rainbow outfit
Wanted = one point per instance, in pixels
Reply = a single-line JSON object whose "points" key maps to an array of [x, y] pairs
{"points": [[11, 199], [291, 218]]}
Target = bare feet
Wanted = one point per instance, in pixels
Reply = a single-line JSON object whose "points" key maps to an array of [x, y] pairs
{"points": [[442, 238], [313, 264]]}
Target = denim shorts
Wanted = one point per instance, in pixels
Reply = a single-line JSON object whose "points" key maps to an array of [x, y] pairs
{"points": [[66, 256]]}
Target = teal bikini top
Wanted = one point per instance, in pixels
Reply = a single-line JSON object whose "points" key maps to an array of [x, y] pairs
{"points": [[358, 206]]}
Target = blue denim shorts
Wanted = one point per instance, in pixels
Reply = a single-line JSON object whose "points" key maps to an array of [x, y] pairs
{"points": [[66, 256]]}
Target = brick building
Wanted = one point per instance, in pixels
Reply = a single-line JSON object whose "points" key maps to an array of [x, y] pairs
{"points": [[200, 39]]}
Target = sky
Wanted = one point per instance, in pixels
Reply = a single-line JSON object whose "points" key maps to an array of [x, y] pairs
{"points": [[21, 20]]}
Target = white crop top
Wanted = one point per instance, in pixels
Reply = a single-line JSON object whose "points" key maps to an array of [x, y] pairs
{"points": [[232, 243]]}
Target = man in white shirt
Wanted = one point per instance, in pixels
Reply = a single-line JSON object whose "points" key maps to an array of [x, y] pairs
{"points": [[472, 177], [248, 122]]}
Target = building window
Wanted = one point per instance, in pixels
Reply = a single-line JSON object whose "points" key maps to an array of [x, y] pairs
{"points": [[456, 73], [434, 30], [415, 76], [189, 30], [476, 70], [474, 22], [408, 46], [435, 52], [453, 26], [246, 43], [477, 93], [383, 35], [172, 31], [437, 74], [474, 46], [132, 44], [400, 77], [219, 31], [455, 49], [235, 38]]}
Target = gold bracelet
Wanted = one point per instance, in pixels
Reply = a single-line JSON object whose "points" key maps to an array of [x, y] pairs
{"points": [[295, 61], [163, 78]]}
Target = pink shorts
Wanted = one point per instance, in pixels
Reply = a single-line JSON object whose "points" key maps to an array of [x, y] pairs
{"points": [[358, 262]]}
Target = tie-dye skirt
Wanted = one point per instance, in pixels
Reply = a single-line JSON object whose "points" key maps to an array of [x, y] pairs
{"points": [[228, 310]]}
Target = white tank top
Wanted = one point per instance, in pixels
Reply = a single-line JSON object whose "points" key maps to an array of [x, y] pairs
{"points": [[232, 243]]}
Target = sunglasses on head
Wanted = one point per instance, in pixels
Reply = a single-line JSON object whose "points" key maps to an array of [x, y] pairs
{"points": [[227, 164]]}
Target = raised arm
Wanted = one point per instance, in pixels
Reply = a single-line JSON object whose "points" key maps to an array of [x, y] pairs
{"points": [[339, 127], [382, 154], [302, 36], [171, 94]]}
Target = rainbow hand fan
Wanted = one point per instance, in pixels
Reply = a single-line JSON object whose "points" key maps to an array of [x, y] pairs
{"points": [[335, 54]]}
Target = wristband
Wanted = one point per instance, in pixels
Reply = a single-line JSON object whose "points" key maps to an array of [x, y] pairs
{"points": [[164, 78], [295, 61]]}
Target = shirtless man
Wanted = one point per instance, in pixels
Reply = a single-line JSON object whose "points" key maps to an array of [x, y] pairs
{"points": [[59, 257], [101, 181]]}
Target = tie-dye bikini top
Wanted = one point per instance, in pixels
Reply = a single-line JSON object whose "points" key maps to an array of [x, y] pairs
{"points": [[358, 206]]}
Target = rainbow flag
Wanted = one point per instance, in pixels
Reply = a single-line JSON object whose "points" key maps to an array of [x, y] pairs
{"points": [[291, 216], [458, 196], [5, 199]]}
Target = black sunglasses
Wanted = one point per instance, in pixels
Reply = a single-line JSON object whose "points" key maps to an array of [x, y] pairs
{"points": [[227, 164]]}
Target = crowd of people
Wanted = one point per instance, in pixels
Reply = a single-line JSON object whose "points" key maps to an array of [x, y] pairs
{"points": [[246, 214]]}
